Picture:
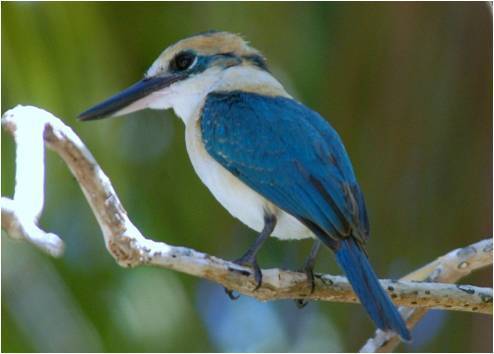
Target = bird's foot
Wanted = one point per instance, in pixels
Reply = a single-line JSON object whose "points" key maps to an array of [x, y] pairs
{"points": [[247, 261], [309, 272], [249, 258]]}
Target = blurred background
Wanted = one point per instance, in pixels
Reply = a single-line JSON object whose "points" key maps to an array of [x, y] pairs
{"points": [[409, 88]]}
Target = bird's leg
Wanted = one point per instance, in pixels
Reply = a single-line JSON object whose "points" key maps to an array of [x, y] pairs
{"points": [[309, 271], [249, 258]]}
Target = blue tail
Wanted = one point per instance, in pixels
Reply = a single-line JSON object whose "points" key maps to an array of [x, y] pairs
{"points": [[364, 282]]}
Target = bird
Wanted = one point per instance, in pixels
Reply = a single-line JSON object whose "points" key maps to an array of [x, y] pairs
{"points": [[270, 161]]}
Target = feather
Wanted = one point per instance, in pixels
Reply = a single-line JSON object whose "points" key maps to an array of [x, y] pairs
{"points": [[294, 158]]}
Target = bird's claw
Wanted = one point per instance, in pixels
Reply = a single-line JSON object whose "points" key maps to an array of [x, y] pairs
{"points": [[309, 272], [230, 294], [252, 263], [247, 262]]}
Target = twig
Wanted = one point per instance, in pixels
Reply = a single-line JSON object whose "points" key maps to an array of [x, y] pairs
{"points": [[447, 269], [130, 248]]}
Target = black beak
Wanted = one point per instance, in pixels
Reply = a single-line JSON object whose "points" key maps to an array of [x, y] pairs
{"points": [[128, 96]]}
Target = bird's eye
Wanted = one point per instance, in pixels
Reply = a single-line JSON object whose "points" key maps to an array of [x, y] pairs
{"points": [[182, 61]]}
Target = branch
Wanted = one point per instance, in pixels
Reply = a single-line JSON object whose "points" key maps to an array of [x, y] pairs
{"points": [[19, 227], [130, 248], [448, 269], [20, 215]]}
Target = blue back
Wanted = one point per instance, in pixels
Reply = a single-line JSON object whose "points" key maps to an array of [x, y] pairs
{"points": [[290, 155]]}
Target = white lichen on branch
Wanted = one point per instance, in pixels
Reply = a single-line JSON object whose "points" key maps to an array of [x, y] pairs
{"points": [[22, 228], [21, 213], [130, 248]]}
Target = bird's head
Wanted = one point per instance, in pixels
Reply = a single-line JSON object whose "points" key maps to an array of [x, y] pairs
{"points": [[182, 75]]}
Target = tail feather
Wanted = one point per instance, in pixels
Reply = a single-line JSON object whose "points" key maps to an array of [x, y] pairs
{"points": [[375, 300]]}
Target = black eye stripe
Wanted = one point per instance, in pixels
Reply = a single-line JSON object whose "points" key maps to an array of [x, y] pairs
{"points": [[257, 60], [227, 54]]}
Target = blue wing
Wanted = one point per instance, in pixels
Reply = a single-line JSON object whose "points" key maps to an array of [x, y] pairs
{"points": [[294, 158], [290, 155]]}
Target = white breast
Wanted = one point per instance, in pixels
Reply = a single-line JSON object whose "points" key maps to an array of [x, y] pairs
{"points": [[235, 196], [241, 201]]}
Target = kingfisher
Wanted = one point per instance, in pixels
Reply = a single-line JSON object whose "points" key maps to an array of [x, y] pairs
{"points": [[273, 163]]}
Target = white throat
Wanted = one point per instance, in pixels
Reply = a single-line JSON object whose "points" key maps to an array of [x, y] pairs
{"points": [[187, 96]]}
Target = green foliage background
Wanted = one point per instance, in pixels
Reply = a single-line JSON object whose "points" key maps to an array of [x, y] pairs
{"points": [[409, 88]]}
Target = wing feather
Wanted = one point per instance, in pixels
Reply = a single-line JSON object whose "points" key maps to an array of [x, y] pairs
{"points": [[290, 155]]}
